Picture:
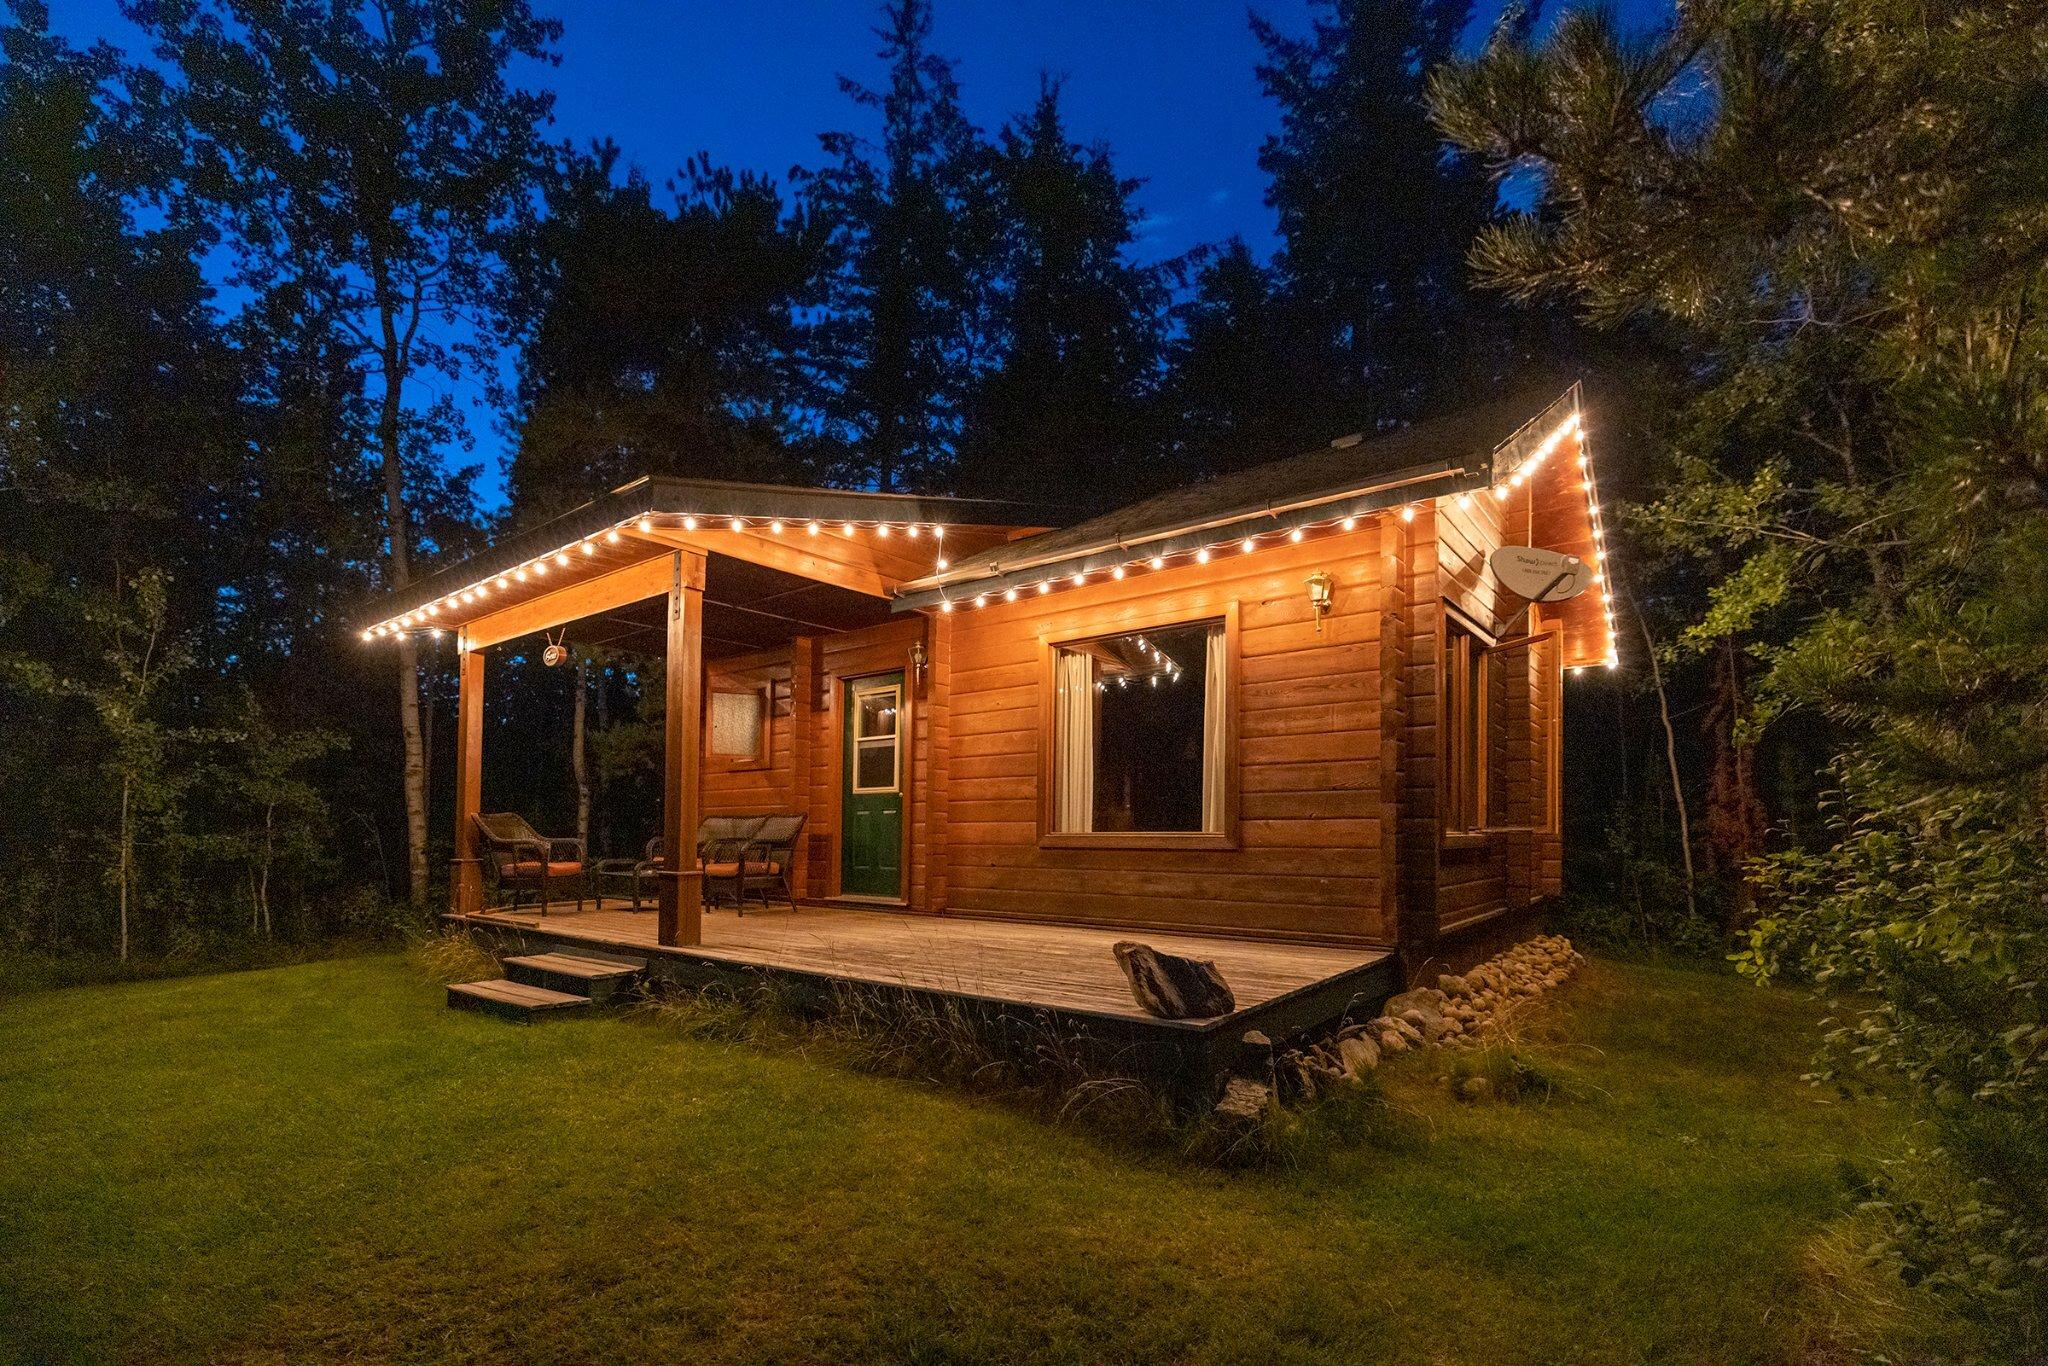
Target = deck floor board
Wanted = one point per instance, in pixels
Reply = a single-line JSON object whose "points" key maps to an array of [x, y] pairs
{"points": [[1064, 966]]}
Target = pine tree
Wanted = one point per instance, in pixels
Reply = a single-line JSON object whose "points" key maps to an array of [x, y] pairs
{"points": [[1063, 413], [900, 334], [660, 340], [1374, 214], [1234, 332], [1846, 236]]}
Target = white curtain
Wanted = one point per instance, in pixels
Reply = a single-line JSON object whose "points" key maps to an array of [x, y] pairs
{"points": [[1073, 742], [1215, 756]]}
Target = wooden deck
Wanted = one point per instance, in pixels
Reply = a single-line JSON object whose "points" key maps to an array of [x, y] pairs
{"points": [[1068, 969]]}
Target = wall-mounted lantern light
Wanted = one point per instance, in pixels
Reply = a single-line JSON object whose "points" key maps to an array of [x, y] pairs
{"points": [[1321, 596]]}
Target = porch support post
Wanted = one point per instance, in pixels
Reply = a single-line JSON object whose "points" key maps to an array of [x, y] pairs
{"points": [[681, 916], [466, 880]]}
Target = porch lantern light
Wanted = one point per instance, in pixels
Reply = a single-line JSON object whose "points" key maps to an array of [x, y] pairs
{"points": [[919, 658], [1322, 593]]}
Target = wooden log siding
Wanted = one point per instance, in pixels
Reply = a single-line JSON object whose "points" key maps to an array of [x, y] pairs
{"points": [[1310, 856], [1339, 746]]}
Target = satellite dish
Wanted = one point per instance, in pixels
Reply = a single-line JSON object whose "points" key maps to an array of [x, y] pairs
{"points": [[1540, 575]]}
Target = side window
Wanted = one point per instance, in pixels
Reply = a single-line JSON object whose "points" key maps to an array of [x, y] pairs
{"points": [[1500, 731], [739, 725]]}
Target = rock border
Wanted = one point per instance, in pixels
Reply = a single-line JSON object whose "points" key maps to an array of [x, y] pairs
{"points": [[1458, 1012]]}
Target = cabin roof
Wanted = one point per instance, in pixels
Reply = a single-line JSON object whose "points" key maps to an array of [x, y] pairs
{"points": [[712, 500], [1351, 476]]}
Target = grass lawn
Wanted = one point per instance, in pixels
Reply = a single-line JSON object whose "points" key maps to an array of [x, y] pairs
{"points": [[322, 1160]]}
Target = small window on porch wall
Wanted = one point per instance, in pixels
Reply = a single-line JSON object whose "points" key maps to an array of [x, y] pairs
{"points": [[1500, 730], [1139, 732], [739, 724]]}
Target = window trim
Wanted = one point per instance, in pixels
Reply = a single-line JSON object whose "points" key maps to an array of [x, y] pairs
{"points": [[856, 689], [764, 696], [1051, 640]]}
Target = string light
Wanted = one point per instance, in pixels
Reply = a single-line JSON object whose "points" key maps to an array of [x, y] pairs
{"points": [[1504, 481]]}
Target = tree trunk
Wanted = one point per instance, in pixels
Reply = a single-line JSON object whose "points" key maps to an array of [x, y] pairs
{"points": [[578, 763], [1735, 822], [127, 858], [396, 359], [1670, 756]]}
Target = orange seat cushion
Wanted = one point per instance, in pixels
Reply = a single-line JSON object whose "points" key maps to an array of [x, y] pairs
{"points": [[532, 868], [755, 868]]}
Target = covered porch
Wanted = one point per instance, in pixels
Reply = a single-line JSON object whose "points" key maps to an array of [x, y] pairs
{"points": [[702, 576]]}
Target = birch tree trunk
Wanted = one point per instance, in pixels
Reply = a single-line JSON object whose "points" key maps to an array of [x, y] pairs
{"points": [[395, 355], [578, 762]]}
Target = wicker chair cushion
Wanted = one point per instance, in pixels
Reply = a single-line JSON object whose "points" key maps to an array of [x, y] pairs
{"points": [[755, 868], [532, 868]]}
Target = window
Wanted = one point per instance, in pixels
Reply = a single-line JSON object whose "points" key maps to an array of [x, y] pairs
{"points": [[1139, 733], [739, 724], [877, 747], [1500, 730]]}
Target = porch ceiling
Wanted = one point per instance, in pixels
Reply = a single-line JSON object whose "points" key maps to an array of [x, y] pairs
{"points": [[747, 607]]}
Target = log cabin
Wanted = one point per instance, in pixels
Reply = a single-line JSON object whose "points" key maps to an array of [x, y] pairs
{"points": [[1287, 719]]}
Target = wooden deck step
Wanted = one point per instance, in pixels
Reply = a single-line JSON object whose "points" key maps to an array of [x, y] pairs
{"points": [[600, 979], [514, 1001]]}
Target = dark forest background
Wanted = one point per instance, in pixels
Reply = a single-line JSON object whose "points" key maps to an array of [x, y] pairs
{"points": [[240, 273], [1796, 249]]}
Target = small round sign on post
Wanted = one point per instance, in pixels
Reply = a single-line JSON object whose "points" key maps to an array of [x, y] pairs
{"points": [[1540, 575]]}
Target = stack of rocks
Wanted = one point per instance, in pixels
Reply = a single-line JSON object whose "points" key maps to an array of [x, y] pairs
{"points": [[1457, 1011]]}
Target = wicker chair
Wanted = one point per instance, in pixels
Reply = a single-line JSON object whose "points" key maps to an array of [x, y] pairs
{"points": [[519, 858], [720, 840], [765, 862]]}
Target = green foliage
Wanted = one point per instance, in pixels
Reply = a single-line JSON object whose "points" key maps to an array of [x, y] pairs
{"points": [[1838, 211]]}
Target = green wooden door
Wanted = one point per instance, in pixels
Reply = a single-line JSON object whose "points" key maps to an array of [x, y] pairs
{"points": [[871, 843]]}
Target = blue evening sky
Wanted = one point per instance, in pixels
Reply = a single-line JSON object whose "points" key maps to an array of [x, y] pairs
{"points": [[1168, 84]]}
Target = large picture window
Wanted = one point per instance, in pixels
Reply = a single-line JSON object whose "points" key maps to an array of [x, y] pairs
{"points": [[1140, 730]]}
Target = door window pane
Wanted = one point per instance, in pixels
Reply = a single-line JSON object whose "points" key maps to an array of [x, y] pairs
{"points": [[875, 766], [877, 713]]}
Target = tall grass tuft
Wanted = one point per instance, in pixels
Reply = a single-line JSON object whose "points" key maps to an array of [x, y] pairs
{"points": [[452, 956]]}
